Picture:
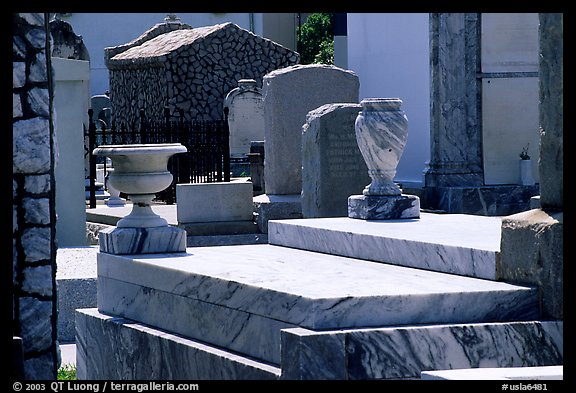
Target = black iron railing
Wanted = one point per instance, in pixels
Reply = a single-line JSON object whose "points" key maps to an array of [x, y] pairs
{"points": [[207, 141]]}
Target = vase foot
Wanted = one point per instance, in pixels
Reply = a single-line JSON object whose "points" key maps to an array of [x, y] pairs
{"points": [[385, 207]]}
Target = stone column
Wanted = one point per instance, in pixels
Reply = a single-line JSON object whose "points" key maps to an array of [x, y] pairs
{"points": [[533, 241], [456, 140], [34, 299], [551, 165]]}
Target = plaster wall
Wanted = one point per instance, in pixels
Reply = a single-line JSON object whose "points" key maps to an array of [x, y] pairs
{"points": [[390, 54], [71, 103]]}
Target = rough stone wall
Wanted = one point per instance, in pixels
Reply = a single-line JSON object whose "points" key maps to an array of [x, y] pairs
{"points": [[34, 312], [132, 90], [195, 77]]}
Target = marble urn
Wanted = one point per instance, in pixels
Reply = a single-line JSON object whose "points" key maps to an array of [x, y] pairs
{"points": [[140, 171]]}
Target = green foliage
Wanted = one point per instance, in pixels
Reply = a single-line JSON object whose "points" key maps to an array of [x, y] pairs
{"points": [[316, 39], [67, 373]]}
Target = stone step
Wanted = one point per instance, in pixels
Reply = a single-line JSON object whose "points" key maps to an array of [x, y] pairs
{"points": [[401, 352], [240, 297], [405, 352], [451, 243], [146, 353]]}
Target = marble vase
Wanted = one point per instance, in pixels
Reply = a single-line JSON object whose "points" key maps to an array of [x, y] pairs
{"points": [[381, 132], [140, 171]]}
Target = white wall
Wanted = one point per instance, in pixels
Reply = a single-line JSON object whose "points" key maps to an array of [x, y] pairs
{"points": [[509, 105], [390, 54]]}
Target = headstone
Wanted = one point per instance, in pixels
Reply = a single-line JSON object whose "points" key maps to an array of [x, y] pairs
{"points": [[332, 166], [245, 116], [101, 106], [221, 208], [289, 94]]}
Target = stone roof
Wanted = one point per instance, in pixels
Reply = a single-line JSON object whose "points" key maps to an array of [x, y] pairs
{"points": [[168, 42]]}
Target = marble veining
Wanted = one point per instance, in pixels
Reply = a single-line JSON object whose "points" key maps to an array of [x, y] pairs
{"points": [[458, 244], [406, 352], [146, 353], [403, 352], [244, 302]]}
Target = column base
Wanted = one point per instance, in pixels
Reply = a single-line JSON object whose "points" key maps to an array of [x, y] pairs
{"points": [[383, 207]]}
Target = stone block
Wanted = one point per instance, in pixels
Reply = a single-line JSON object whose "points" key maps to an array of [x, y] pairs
{"points": [[276, 207], [213, 202], [289, 94], [332, 166], [76, 282], [404, 352], [241, 297], [383, 207], [154, 240], [532, 253], [146, 353], [450, 243]]}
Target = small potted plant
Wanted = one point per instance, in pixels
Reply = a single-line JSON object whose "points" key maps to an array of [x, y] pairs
{"points": [[526, 177]]}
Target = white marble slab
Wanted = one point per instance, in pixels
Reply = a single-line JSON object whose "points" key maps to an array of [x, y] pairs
{"points": [[112, 348], [451, 243], [225, 294], [404, 352]]}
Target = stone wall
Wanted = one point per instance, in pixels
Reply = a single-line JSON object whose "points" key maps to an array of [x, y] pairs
{"points": [[34, 311], [189, 69]]}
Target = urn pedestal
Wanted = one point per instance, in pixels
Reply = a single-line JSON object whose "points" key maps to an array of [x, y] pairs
{"points": [[381, 132], [140, 171]]}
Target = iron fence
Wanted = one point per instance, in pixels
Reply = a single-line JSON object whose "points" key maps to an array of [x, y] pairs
{"points": [[206, 161]]}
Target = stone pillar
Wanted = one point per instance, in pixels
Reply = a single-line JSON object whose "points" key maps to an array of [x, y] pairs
{"points": [[456, 140], [551, 166], [34, 299], [533, 241]]}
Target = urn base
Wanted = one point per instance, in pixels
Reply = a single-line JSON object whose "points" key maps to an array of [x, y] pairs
{"points": [[131, 241], [383, 207]]}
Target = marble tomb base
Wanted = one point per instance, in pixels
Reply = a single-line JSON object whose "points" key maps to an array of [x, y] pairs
{"points": [[300, 308], [349, 354], [240, 297]]}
